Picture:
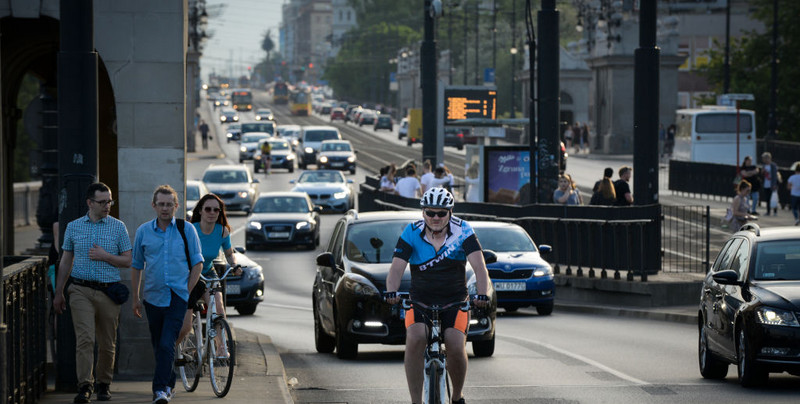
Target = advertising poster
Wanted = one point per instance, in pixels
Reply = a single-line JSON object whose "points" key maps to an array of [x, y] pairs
{"points": [[508, 175]]}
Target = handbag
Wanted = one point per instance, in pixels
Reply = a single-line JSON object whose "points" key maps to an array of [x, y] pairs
{"points": [[117, 292], [773, 200]]}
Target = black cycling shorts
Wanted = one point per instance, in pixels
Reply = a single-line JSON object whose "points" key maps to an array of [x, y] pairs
{"points": [[452, 318], [196, 293]]}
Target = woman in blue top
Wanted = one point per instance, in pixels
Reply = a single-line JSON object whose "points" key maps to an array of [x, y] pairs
{"points": [[212, 226]]}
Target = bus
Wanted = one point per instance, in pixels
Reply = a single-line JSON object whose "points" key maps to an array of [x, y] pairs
{"points": [[280, 93], [242, 99], [709, 135], [300, 102]]}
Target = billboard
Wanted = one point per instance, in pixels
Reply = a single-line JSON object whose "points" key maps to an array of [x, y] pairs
{"points": [[507, 173]]}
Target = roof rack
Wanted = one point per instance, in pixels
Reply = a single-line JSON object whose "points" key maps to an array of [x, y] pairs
{"points": [[352, 212], [751, 227]]}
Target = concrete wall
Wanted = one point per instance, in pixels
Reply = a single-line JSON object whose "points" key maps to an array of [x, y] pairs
{"points": [[143, 45]]}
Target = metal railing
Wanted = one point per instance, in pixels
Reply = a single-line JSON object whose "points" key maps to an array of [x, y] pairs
{"points": [[685, 238], [25, 313], [26, 201]]}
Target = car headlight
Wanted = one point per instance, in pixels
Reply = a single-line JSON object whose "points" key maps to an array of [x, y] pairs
{"points": [[236, 118], [255, 225], [258, 118], [230, 135], [351, 159], [323, 159], [304, 225], [308, 150], [290, 157], [542, 271], [242, 194], [223, 119], [360, 286], [772, 316], [243, 149], [340, 195]]}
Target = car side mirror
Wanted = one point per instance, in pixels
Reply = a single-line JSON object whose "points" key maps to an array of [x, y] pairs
{"points": [[349, 180], [325, 260], [240, 249], [291, 181], [726, 277], [489, 256], [545, 249], [355, 151], [255, 181], [317, 209]]}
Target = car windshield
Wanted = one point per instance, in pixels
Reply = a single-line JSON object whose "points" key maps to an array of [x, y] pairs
{"points": [[320, 176], [225, 176], [281, 204], [279, 145], [264, 112], [253, 138], [193, 192], [373, 242], [504, 239], [778, 261], [234, 126], [258, 127], [384, 119], [339, 147], [320, 135]]}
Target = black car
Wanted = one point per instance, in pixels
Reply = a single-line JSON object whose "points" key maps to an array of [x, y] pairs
{"points": [[351, 276], [384, 122], [458, 137], [750, 306], [244, 292], [283, 218]]}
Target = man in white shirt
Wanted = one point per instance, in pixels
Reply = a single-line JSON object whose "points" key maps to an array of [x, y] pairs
{"points": [[427, 176], [408, 186]]}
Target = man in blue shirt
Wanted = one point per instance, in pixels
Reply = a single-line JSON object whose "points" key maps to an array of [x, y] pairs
{"points": [[95, 247], [159, 249]]}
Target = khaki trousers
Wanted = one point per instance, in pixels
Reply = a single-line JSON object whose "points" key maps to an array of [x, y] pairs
{"points": [[95, 319]]}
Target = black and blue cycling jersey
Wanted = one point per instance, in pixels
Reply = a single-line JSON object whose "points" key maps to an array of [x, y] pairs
{"points": [[437, 277]]}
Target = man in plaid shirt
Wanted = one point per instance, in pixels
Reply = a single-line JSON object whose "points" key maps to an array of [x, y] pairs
{"points": [[95, 247]]}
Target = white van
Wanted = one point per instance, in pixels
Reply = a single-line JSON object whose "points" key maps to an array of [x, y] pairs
{"points": [[310, 140], [715, 134]]}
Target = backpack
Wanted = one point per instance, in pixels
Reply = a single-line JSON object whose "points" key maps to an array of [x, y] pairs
{"points": [[180, 224]]}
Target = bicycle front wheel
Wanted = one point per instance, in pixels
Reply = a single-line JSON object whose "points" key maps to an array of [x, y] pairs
{"points": [[221, 357], [189, 364], [432, 388]]}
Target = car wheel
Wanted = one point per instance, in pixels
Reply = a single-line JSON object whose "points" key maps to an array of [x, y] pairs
{"points": [[483, 349], [409, 142], [750, 373], [316, 241], [511, 309], [461, 147], [291, 169], [249, 246], [345, 348], [545, 310], [324, 343], [710, 366], [241, 161], [246, 309], [353, 170]]}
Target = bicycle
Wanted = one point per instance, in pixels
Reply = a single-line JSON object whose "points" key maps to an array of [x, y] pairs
{"points": [[199, 347], [436, 383]]}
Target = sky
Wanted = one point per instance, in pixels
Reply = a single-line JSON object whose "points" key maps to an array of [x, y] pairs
{"points": [[237, 29]]}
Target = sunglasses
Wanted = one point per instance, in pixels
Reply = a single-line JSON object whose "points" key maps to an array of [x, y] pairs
{"points": [[441, 213], [209, 209], [108, 202]]}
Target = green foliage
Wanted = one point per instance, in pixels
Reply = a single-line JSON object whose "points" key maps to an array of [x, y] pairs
{"points": [[750, 67], [24, 145], [267, 45]]}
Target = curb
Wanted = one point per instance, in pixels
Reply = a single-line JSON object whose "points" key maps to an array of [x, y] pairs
{"points": [[680, 315], [270, 371]]}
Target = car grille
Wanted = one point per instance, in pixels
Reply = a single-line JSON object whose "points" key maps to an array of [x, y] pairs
{"points": [[517, 274], [337, 159], [226, 195], [319, 196], [278, 231]]}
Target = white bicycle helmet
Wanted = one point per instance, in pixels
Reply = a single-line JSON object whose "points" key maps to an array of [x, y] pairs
{"points": [[437, 197]]}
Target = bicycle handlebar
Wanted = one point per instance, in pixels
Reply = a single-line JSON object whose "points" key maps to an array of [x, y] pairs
{"points": [[406, 302], [220, 278]]}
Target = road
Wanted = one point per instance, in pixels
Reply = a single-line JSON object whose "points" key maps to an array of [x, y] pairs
{"points": [[563, 358]]}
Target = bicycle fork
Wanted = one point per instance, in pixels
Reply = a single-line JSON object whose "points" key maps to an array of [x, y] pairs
{"points": [[436, 363]]}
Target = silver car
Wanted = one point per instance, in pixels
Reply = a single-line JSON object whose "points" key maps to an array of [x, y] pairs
{"points": [[249, 144], [194, 191], [328, 189], [233, 184]]}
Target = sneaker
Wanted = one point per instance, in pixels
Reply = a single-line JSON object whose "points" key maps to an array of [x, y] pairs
{"points": [[797, 222], [103, 392], [170, 393], [84, 394], [160, 397], [754, 213], [459, 401]]}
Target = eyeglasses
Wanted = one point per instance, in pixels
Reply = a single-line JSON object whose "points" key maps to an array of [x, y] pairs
{"points": [[209, 209], [441, 213], [165, 204], [109, 202]]}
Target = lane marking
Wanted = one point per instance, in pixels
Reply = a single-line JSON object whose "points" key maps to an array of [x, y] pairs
{"points": [[286, 306], [583, 359]]}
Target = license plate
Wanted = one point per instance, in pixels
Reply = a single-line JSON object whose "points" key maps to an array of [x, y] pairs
{"points": [[337, 164], [276, 234], [233, 289], [509, 286]]}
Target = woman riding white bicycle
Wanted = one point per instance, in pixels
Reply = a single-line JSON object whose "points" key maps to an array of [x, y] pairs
{"points": [[212, 226], [437, 249]]}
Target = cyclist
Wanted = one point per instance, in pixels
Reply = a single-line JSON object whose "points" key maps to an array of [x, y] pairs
{"points": [[437, 247], [266, 158]]}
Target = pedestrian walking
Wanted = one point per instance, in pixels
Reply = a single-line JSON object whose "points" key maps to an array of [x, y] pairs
{"points": [[95, 247], [739, 212], [204, 133], [669, 143], [771, 179], [793, 183], [568, 136], [603, 193], [171, 259], [750, 172]]}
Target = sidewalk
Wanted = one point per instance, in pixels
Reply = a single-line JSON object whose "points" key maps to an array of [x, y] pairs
{"points": [[259, 377]]}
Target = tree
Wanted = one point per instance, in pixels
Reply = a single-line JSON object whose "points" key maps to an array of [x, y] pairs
{"points": [[750, 67], [267, 44]]}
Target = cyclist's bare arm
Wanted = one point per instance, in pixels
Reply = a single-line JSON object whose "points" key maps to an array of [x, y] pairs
{"points": [[395, 275], [481, 275]]}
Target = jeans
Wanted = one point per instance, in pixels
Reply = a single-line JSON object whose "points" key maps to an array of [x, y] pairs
{"points": [[165, 325], [95, 319], [754, 204], [796, 207]]}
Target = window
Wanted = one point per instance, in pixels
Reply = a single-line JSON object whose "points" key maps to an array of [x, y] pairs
{"points": [[348, 15], [741, 259], [725, 256]]}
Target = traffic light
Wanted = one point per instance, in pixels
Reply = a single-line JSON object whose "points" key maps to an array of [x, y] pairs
{"points": [[249, 68], [310, 65]]}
